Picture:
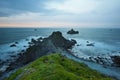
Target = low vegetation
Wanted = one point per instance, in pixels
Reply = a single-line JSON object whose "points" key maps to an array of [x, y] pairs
{"points": [[56, 67]]}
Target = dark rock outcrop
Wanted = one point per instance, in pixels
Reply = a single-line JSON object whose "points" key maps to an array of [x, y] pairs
{"points": [[40, 39], [87, 41], [16, 42], [51, 44], [90, 44], [59, 41], [13, 45], [72, 31], [116, 60]]}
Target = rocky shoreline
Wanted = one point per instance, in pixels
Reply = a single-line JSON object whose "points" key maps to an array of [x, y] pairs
{"points": [[106, 60], [55, 43]]}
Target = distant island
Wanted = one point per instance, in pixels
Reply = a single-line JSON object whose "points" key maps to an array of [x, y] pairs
{"points": [[72, 31]]}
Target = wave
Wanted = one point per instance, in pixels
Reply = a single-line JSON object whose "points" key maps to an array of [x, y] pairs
{"points": [[81, 50], [95, 55], [99, 52], [10, 54]]}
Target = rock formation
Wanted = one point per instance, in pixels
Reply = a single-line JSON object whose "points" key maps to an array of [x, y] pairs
{"points": [[116, 60], [13, 45], [39, 47], [90, 44], [72, 31]]}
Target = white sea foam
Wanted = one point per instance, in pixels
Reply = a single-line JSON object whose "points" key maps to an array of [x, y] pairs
{"points": [[99, 50], [9, 54], [108, 70], [82, 51]]}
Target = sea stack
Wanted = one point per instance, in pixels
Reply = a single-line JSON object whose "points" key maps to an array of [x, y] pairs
{"points": [[72, 31]]}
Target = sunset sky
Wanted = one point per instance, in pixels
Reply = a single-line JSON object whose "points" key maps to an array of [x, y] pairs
{"points": [[60, 13]]}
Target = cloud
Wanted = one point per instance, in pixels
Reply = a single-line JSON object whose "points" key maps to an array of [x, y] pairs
{"points": [[72, 12], [99, 11], [85, 6], [13, 7], [72, 6]]}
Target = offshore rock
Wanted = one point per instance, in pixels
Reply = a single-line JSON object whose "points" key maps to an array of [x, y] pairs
{"points": [[90, 44], [13, 45], [72, 31]]}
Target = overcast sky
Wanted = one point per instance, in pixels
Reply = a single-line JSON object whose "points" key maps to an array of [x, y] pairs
{"points": [[60, 13]]}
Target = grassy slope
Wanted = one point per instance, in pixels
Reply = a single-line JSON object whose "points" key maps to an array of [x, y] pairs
{"points": [[56, 67]]}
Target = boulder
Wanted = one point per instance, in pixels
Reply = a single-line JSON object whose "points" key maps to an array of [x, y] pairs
{"points": [[16, 42], [72, 31], [40, 39], [78, 45], [116, 60], [90, 44], [13, 45], [33, 40], [87, 41]]}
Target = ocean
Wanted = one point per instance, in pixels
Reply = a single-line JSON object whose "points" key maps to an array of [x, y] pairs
{"points": [[111, 36], [106, 43]]}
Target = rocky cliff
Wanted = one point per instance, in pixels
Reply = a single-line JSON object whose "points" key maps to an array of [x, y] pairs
{"points": [[40, 47]]}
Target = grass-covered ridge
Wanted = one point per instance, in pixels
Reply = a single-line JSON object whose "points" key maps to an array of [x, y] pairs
{"points": [[56, 67]]}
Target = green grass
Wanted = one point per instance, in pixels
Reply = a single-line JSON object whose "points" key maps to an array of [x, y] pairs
{"points": [[56, 67]]}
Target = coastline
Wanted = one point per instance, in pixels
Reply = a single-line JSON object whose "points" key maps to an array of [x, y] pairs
{"points": [[62, 50]]}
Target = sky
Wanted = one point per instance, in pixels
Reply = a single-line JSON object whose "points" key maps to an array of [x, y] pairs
{"points": [[60, 13]]}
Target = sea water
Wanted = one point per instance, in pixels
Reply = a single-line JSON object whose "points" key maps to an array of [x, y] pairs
{"points": [[106, 43]]}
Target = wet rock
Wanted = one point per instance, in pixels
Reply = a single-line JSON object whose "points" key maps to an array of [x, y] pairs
{"points": [[30, 43], [22, 50], [27, 39], [72, 31], [39, 39], [13, 56], [12, 66], [87, 41], [101, 60], [24, 46], [116, 60], [13, 45], [16, 42], [33, 40], [91, 44], [1, 63], [73, 41]]}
